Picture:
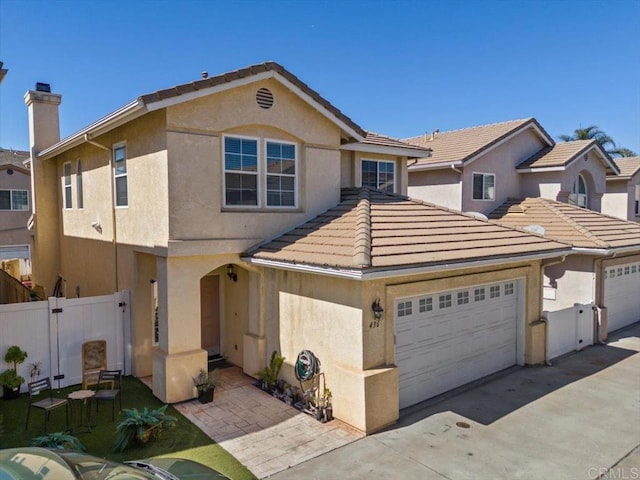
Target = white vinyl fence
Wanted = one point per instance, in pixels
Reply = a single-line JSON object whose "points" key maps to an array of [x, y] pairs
{"points": [[52, 332], [569, 329]]}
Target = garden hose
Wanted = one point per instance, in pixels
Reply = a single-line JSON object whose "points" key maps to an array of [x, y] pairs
{"points": [[307, 366]]}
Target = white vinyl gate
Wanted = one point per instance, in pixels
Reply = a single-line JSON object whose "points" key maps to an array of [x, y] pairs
{"points": [[52, 333], [622, 295], [447, 339], [569, 329]]}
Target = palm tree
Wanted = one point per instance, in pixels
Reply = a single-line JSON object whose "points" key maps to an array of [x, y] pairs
{"points": [[592, 132]]}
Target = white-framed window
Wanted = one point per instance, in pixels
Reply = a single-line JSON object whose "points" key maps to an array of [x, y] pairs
{"points": [[463, 298], [579, 195], [478, 295], [494, 291], [66, 175], [404, 309], [120, 175], [508, 288], [484, 186], [637, 201], [241, 171], [425, 304], [17, 200], [444, 301], [379, 174], [79, 192], [281, 171]]}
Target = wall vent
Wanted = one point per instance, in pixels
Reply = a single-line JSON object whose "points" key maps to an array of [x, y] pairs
{"points": [[264, 97]]}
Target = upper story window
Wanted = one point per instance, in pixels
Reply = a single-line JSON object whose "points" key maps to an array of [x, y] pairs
{"points": [[120, 175], [281, 174], [79, 193], [379, 174], [245, 160], [66, 173], [17, 200], [484, 186], [637, 201], [579, 194]]}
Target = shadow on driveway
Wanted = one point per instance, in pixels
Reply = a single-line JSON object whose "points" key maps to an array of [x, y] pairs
{"points": [[493, 397]]}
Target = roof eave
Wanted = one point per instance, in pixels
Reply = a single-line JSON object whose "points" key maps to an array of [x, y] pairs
{"points": [[542, 169], [389, 150], [434, 166]]}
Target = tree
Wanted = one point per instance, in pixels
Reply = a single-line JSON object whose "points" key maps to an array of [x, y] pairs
{"points": [[592, 132]]}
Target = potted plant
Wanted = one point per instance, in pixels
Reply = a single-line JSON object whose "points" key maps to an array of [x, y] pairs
{"points": [[141, 427], [205, 385], [269, 374], [10, 379]]}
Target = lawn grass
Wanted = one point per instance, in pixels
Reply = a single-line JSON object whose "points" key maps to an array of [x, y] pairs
{"points": [[185, 440]]}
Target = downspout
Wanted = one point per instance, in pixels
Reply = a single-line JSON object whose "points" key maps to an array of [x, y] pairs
{"points": [[457, 170], [542, 318]]}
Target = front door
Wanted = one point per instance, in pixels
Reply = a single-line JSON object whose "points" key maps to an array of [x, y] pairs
{"points": [[210, 313]]}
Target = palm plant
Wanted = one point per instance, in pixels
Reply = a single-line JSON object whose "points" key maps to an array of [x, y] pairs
{"points": [[592, 132], [623, 152]]}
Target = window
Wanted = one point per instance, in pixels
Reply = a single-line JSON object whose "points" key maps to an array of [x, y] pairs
{"points": [[120, 175], [241, 171], [627, 270], [79, 194], [378, 174], [17, 200], [578, 196], [281, 174], [633, 269], [425, 305], [484, 186], [463, 298], [478, 295], [637, 201], [508, 288], [404, 309], [494, 291], [66, 173], [444, 301]]}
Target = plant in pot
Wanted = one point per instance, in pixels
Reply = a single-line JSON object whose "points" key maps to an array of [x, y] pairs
{"points": [[269, 374], [10, 379], [206, 385], [141, 427]]}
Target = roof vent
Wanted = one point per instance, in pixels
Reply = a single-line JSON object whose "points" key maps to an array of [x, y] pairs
{"points": [[539, 229], [478, 215], [264, 97], [43, 87], [205, 75]]}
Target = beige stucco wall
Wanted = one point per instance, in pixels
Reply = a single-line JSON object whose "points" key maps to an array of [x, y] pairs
{"points": [[572, 281], [441, 187], [616, 200]]}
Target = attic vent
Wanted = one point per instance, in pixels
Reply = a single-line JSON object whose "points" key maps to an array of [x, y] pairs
{"points": [[264, 97]]}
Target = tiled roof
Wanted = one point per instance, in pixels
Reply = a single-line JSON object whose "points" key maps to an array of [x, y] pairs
{"points": [[628, 166], [378, 139], [457, 146], [13, 157], [372, 229], [558, 155], [567, 223], [248, 72]]}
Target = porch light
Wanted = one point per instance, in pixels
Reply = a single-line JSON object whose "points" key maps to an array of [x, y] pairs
{"points": [[231, 273], [377, 309]]}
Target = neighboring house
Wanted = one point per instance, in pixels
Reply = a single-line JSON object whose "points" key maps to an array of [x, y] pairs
{"points": [[622, 198], [603, 272], [15, 210], [476, 169], [168, 195]]}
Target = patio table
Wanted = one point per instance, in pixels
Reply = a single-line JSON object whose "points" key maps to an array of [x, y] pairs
{"points": [[83, 398]]}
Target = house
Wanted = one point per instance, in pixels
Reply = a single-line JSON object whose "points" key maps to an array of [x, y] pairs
{"points": [[477, 169], [622, 197], [246, 214], [15, 210]]}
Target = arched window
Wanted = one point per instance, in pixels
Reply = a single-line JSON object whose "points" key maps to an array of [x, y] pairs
{"points": [[579, 195]]}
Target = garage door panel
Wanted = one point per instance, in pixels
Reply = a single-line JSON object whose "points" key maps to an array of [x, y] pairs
{"points": [[463, 335], [621, 295]]}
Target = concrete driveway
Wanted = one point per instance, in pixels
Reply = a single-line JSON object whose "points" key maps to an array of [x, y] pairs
{"points": [[576, 419]]}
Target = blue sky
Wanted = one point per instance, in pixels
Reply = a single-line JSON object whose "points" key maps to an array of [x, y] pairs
{"points": [[400, 68]]}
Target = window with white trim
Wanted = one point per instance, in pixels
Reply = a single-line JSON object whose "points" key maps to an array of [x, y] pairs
{"points": [[404, 309], [579, 195], [637, 201], [66, 175], [494, 291], [241, 171], [463, 298], [379, 174], [484, 186], [478, 295], [508, 288], [444, 301], [17, 200], [281, 174], [120, 175], [425, 304], [79, 193]]}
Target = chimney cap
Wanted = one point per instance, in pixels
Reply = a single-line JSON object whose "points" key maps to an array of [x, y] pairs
{"points": [[43, 87]]}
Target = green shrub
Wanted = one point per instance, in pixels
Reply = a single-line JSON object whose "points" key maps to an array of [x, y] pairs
{"points": [[141, 427], [58, 440]]}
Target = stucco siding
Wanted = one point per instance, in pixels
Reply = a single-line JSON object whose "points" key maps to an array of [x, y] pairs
{"points": [[616, 201], [440, 187], [572, 281]]}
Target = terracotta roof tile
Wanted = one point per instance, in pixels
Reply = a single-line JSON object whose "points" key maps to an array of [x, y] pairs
{"points": [[13, 157], [567, 223], [378, 139], [559, 155], [370, 229], [458, 146], [628, 166]]}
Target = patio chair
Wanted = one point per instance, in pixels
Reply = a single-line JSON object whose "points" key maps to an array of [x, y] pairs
{"points": [[94, 359], [114, 378], [47, 403]]}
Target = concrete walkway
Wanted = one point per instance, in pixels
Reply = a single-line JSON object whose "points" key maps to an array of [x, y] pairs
{"points": [[263, 433], [577, 419]]}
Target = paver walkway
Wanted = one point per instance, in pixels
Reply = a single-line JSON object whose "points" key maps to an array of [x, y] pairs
{"points": [[263, 433]]}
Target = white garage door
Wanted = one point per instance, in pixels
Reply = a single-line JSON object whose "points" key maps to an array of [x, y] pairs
{"points": [[447, 339], [622, 295]]}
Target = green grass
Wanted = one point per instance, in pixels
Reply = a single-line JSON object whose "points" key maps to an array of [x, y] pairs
{"points": [[185, 440]]}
